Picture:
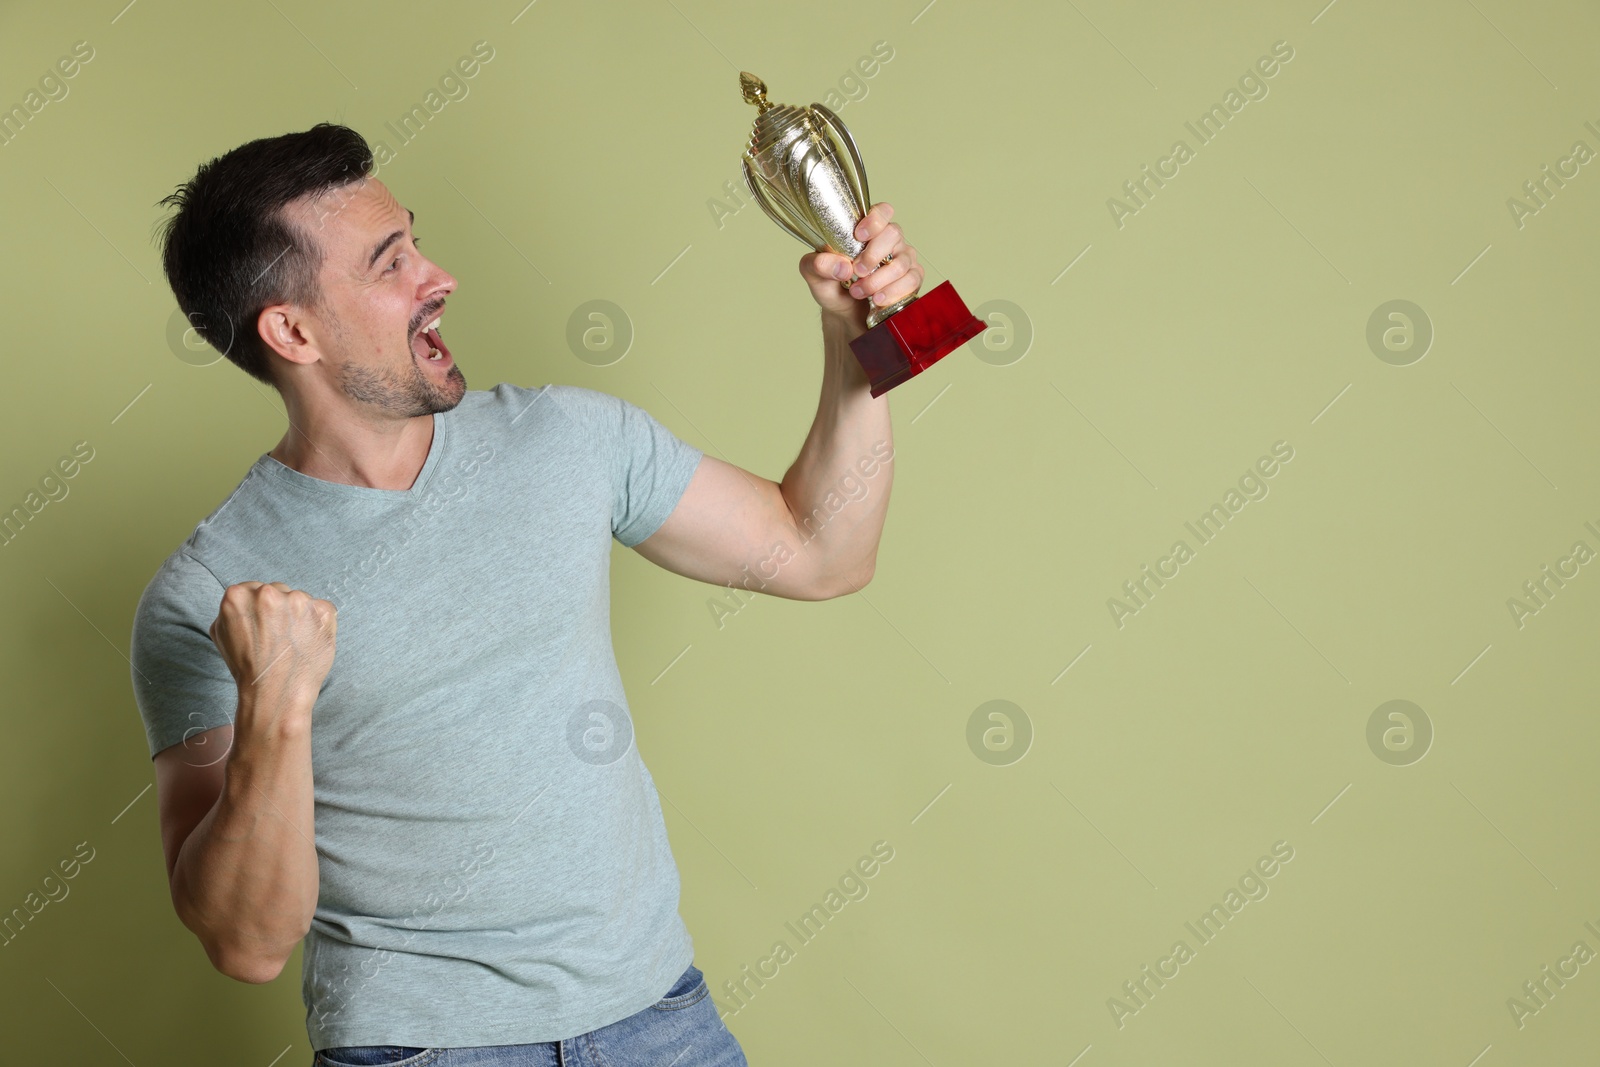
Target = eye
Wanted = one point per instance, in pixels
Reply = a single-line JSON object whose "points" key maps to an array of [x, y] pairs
{"points": [[394, 264]]}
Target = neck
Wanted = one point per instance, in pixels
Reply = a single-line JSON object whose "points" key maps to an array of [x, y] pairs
{"points": [[342, 446]]}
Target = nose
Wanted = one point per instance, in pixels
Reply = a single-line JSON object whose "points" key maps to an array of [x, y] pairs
{"points": [[437, 282]]}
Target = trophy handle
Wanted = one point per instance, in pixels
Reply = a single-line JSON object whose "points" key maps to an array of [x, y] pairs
{"points": [[787, 218], [857, 174]]}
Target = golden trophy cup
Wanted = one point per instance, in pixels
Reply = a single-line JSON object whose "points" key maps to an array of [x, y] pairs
{"points": [[803, 168]]}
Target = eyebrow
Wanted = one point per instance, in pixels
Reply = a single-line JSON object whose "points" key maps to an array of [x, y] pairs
{"points": [[383, 245]]}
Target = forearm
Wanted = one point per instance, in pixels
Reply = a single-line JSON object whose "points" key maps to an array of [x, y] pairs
{"points": [[246, 880], [838, 487]]}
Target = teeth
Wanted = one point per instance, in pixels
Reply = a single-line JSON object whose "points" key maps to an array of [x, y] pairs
{"points": [[434, 353], [434, 325]]}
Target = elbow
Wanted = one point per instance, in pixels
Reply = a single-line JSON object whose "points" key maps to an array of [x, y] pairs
{"points": [[232, 958], [252, 968], [246, 954], [254, 974], [851, 583]]}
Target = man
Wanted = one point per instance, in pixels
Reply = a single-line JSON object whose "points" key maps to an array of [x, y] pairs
{"points": [[446, 806]]}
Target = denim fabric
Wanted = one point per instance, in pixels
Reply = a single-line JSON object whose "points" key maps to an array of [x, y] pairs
{"points": [[681, 1029]]}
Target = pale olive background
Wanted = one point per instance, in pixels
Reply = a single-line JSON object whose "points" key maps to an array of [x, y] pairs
{"points": [[1228, 314]]}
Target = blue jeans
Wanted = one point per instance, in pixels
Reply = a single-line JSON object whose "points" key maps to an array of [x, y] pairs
{"points": [[682, 1030]]}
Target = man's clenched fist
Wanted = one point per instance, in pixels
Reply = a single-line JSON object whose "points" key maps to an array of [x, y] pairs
{"points": [[275, 638], [877, 286]]}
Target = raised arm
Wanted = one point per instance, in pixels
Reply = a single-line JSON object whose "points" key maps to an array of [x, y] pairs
{"points": [[236, 801], [815, 534]]}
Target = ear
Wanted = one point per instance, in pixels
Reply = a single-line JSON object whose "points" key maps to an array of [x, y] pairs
{"points": [[283, 328]]}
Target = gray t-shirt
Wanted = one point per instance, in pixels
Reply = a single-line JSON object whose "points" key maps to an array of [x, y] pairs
{"points": [[494, 867]]}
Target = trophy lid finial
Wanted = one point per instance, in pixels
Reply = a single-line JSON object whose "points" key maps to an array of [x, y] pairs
{"points": [[754, 90]]}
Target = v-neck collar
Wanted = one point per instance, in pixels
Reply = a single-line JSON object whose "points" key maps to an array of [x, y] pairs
{"points": [[276, 468]]}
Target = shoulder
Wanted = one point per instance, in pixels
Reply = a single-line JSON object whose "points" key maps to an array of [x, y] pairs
{"points": [[581, 408], [181, 574], [181, 579], [518, 403], [183, 596]]}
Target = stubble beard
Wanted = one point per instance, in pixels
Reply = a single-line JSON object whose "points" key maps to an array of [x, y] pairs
{"points": [[403, 394]]}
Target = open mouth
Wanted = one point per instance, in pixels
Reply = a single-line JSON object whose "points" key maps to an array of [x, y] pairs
{"points": [[428, 346]]}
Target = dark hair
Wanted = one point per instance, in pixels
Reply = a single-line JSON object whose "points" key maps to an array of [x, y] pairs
{"points": [[229, 251]]}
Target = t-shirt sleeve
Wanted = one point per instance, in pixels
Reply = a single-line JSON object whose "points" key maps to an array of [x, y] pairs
{"points": [[180, 681], [650, 465]]}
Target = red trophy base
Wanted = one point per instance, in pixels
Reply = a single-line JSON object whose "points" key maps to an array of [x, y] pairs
{"points": [[915, 338]]}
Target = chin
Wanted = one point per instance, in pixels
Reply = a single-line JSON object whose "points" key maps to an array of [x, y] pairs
{"points": [[440, 398]]}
